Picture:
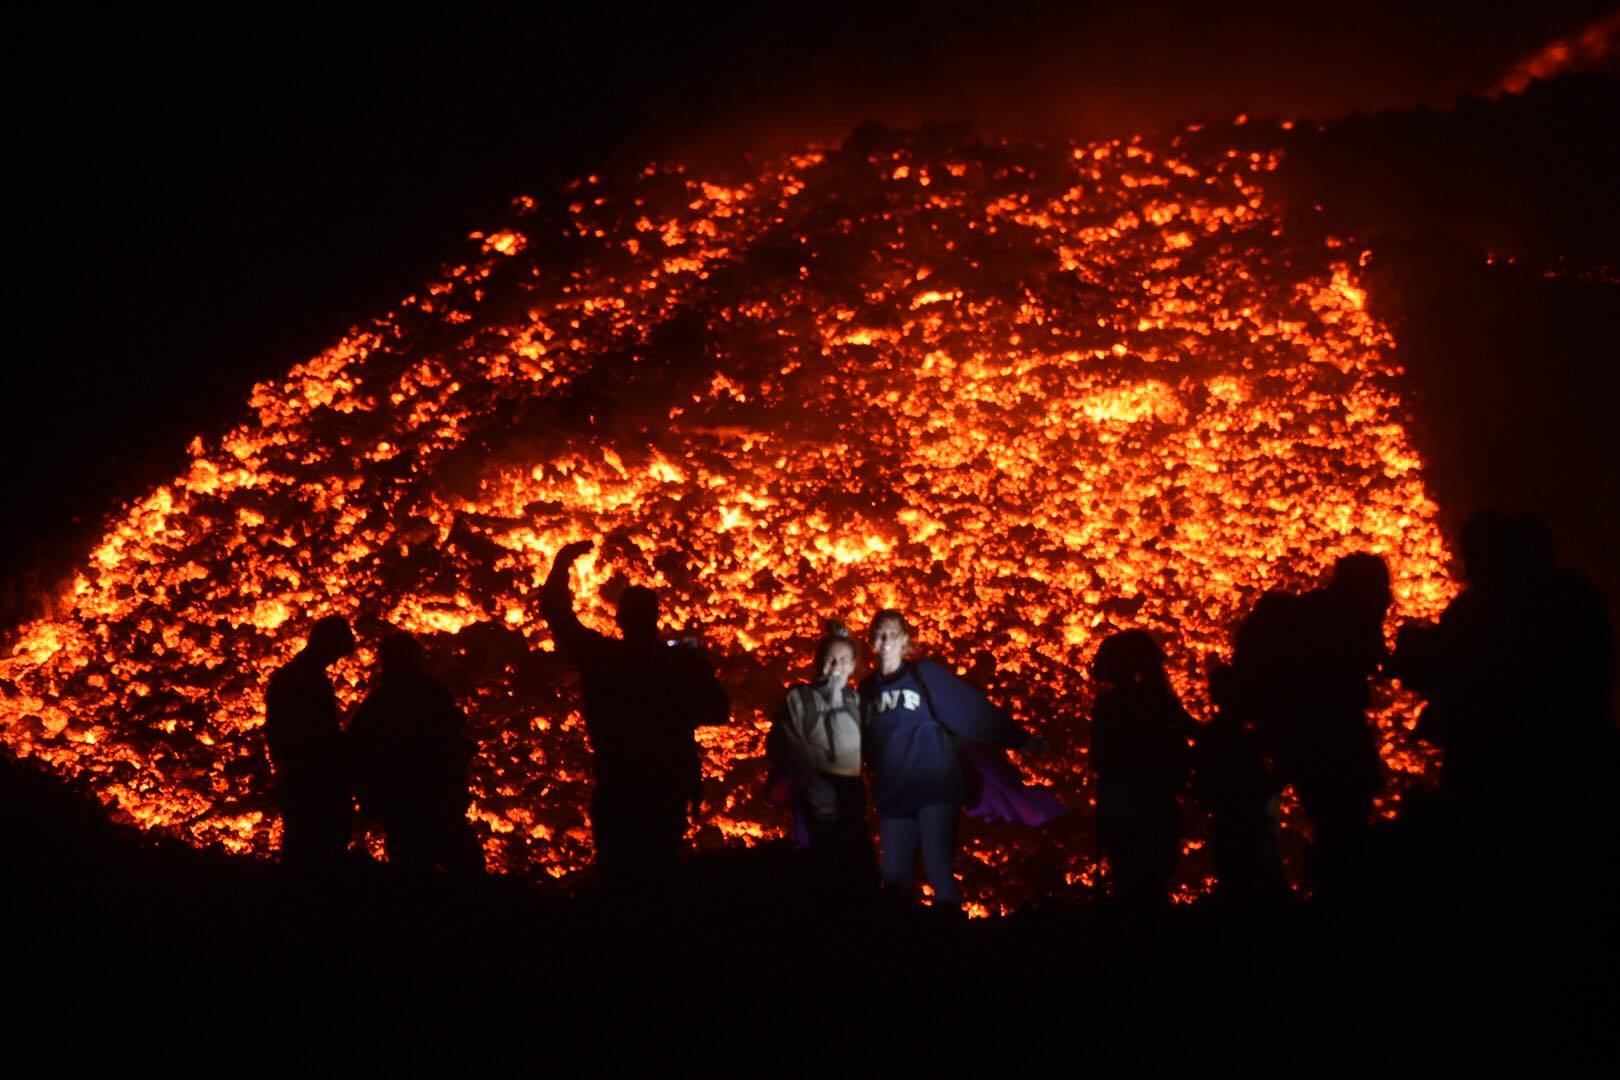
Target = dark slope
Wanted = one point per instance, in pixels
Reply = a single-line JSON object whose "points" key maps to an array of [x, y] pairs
{"points": [[126, 949], [1495, 242]]}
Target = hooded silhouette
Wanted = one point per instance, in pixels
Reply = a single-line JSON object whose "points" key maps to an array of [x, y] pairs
{"points": [[411, 756], [306, 749]]}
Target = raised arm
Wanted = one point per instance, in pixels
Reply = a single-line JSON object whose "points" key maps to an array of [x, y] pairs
{"points": [[557, 605]]}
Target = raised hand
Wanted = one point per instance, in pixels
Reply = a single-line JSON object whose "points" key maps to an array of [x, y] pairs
{"points": [[572, 551]]}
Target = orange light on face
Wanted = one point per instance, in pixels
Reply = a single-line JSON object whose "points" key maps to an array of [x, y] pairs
{"points": [[1036, 399]]}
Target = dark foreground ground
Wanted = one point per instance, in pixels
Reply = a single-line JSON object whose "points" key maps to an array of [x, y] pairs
{"points": [[124, 950]]}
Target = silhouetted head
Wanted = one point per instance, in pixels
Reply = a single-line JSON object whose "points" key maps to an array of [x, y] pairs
{"points": [[638, 613], [330, 639], [1361, 581], [835, 654], [1532, 547], [890, 636], [1129, 658], [1486, 544], [400, 656]]}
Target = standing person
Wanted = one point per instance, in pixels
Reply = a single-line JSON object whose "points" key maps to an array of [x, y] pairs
{"points": [[1300, 669], [1518, 674], [913, 714], [644, 697], [815, 751], [1141, 755], [1243, 796], [306, 748], [411, 755]]}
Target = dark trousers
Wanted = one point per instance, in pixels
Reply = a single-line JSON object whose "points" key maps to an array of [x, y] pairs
{"points": [[638, 840], [933, 830], [1143, 848], [841, 847], [315, 830], [425, 842], [1243, 845]]}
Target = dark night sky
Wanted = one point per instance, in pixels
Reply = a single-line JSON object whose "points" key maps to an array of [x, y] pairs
{"points": [[199, 203]]}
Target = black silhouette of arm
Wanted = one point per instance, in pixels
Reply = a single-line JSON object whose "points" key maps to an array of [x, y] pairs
{"points": [[578, 641]]}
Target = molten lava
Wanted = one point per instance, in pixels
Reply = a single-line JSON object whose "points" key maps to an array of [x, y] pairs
{"points": [[1028, 394]]}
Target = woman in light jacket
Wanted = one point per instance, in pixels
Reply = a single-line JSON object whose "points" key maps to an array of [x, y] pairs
{"points": [[815, 749]]}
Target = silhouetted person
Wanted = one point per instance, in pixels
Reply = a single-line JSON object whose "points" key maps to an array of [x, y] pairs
{"points": [[307, 751], [411, 753], [1300, 672], [644, 697], [1518, 676], [1242, 792], [1469, 666], [1141, 755]]}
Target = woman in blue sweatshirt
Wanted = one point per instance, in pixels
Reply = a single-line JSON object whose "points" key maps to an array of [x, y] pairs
{"points": [[913, 714]]}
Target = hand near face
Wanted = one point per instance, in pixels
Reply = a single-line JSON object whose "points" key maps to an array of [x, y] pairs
{"points": [[838, 664]]}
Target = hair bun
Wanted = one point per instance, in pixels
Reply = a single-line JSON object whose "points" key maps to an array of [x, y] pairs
{"points": [[834, 629]]}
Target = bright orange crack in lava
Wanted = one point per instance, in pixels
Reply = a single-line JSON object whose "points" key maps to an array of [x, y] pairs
{"points": [[1028, 394]]}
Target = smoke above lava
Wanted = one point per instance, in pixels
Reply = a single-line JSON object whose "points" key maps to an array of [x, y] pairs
{"points": [[1028, 393]]}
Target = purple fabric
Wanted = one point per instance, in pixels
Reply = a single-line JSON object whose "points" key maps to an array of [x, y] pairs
{"points": [[800, 831], [997, 793], [784, 787]]}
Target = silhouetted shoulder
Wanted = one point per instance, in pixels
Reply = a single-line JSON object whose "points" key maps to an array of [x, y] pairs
{"points": [[706, 701], [1275, 616], [291, 681]]}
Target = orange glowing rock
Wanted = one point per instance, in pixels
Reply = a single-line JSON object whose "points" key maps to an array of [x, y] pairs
{"points": [[1047, 394]]}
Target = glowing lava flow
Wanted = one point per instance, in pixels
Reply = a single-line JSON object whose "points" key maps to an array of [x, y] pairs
{"points": [[1028, 394]]}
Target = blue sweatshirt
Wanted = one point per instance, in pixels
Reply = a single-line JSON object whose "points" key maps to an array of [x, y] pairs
{"points": [[908, 720]]}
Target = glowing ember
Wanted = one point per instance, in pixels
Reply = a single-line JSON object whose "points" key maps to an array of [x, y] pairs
{"points": [[1590, 48], [1028, 394]]}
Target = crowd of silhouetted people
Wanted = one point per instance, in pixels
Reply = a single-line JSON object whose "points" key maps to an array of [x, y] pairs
{"points": [[404, 758], [1516, 676]]}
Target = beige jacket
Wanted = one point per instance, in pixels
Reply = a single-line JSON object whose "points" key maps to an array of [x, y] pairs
{"points": [[825, 735]]}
